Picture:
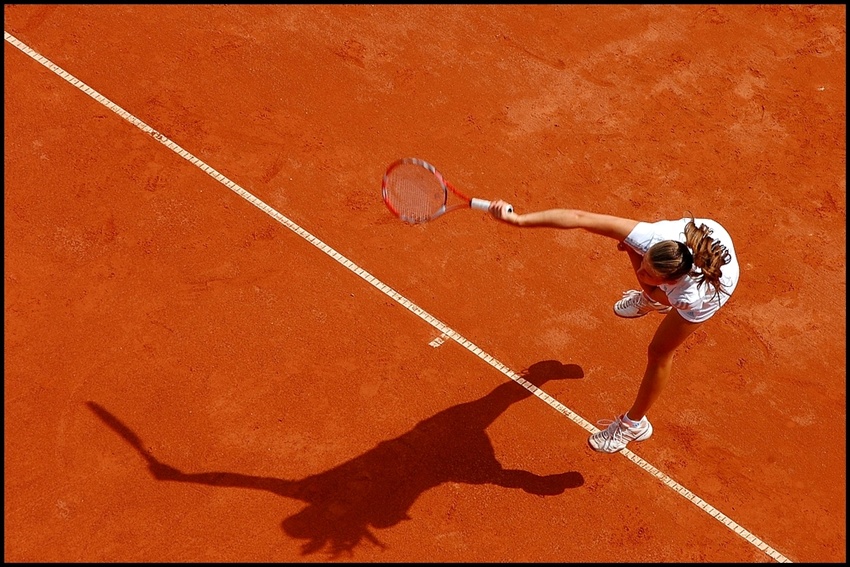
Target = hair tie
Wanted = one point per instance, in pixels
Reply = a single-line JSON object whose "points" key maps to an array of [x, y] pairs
{"points": [[695, 270], [692, 264]]}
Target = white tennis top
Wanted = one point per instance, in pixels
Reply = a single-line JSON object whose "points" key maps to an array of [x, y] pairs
{"points": [[694, 303]]}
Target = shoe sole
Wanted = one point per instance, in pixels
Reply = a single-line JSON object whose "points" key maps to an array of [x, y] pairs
{"points": [[601, 451], [662, 311], [630, 316]]}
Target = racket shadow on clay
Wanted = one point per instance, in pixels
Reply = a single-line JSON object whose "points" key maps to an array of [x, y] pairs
{"points": [[377, 488]]}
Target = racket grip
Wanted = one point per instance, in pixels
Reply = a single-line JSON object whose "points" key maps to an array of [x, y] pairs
{"points": [[483, 205], [480, 204]]}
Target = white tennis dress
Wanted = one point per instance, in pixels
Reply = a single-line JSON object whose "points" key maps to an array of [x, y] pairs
{"points": [[694, 303]]}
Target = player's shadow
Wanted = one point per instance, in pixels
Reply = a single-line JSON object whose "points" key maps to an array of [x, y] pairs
{"points": [[376, 489]]}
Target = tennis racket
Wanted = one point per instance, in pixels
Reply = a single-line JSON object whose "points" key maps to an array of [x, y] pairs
{"points": [[416, 192]]}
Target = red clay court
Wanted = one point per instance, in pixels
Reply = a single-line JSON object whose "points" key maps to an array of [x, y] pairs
{"points": [[220, 346]]}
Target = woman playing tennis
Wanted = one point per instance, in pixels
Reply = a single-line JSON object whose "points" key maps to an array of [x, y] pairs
{"points": [[687, 269]]}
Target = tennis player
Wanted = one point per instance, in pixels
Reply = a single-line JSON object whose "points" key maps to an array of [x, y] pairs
{"points": [[686, 268]]}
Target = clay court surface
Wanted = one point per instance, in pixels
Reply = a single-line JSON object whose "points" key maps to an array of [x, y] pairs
{"points": [[191, 378]]}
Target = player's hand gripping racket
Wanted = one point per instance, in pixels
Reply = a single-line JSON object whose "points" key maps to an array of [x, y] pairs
{"points": [[416, 192]]}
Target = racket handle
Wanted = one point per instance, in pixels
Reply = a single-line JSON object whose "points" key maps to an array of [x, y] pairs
{"points": [[483, 205], [479, 204]]}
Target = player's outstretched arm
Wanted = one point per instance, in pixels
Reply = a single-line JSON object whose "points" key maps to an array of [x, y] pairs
{"points": [[611, 226]]}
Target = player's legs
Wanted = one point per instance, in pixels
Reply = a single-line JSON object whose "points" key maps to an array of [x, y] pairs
{"points": [[671, 333], [633, 425]]}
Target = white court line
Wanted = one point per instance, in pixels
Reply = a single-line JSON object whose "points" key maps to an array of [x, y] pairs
{"points": [[409, 305], [438, 341]]}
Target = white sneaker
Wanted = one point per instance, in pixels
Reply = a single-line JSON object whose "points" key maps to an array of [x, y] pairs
{"points": [[635, 303], [617, 435]]}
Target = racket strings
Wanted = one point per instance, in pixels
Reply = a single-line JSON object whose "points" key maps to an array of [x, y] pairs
{"points": [[414, 193]]}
